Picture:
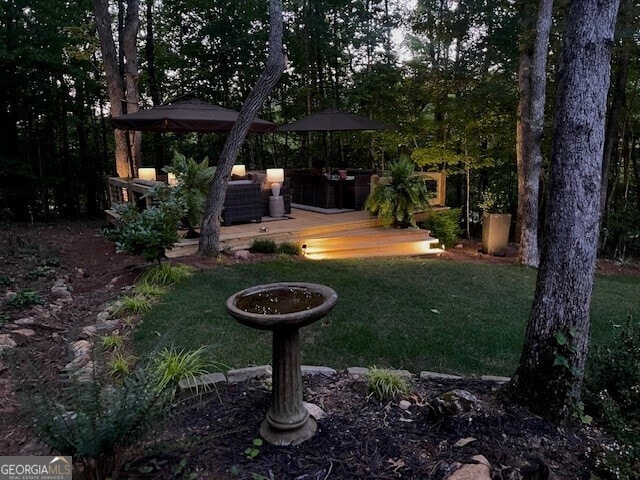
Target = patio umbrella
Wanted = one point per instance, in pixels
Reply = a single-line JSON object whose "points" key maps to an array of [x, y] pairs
{"points": [[190, 115], [333, 120]]}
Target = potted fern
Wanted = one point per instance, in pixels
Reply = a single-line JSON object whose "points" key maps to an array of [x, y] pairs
{"points": [[495, 224], [194, 180], [395, 199]]}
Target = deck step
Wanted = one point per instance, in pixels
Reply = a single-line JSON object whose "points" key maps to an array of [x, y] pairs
{"points": [[373, 242]]}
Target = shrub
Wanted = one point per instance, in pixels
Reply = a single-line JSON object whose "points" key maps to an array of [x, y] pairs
{"points": [[24, 299], [289, 248], [612, 389], [386, 385], [5, 280], [149, 232], [444, 225], [120, 365], [96, 422], [263, 245], [166, 274], [394, 201]]}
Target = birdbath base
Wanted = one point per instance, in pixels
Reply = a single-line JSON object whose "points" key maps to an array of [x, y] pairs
{"points": [[284, 308], [283, 438]]}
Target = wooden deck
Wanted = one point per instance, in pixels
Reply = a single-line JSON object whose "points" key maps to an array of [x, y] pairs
{"points": [[339, 235]]}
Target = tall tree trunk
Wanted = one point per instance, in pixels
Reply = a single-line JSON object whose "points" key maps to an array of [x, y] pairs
{"points": [[532, 86], [551, 369], [115, 87], [615, 114], [210, 232], [130, 47]]}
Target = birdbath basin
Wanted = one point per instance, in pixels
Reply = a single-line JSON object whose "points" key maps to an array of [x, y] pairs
{"points": [[284, 308]]}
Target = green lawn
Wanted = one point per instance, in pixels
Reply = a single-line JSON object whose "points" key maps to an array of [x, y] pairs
{"points": [[414, 313]]}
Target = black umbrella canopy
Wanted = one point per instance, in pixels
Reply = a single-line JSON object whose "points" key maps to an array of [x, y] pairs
{"points": [[183, 116], [333, 120]]}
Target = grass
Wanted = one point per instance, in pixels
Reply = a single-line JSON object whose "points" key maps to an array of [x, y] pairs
{"points": [[414, 313]]}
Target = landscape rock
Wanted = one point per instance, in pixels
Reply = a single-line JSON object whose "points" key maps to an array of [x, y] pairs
{"points": [[493, 378], [250, 373], [25, 332], [60, 282], [88, 332], [357, 371], [455, 402], [314, 410], [402, 373], [317, 370], [437, 376], [6, 342], [77, 364], [203, 382], [80, 347], [404, 404], [103, 316], [23, 322], [480, 470], [107, 326], [243, 255], [60, 293]]}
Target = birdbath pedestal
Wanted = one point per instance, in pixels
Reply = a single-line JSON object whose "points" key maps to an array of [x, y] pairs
{"points": [[284, 308]]}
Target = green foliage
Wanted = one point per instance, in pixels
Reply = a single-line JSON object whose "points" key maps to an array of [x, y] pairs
{"points": [[166, 274], [289, 248], [387, 385], [132, 305], [444, 225], [494, 202], [39, 272], [149, 232], [263, 245], [120, 365], [112, 341], [150, 290], [254, 450], [612, 388], [194, 180], [396, 200], [94, 421], [24, 299], [5, 280], [170, 366], [434, 157]]}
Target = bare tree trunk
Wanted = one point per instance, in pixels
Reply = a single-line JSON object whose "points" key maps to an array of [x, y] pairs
{"points": [[129, 43], [551, 369], [210, 232], [532, 81], [115, 88]]}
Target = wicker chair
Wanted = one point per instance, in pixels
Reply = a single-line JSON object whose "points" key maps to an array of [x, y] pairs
{"points": [[243, 203]]}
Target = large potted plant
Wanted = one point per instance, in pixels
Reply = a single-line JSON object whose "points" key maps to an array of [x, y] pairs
{"points": [[194, 180], [495, 224], [395, 199]]}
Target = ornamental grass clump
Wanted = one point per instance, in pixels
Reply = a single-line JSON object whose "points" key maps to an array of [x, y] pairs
{"points": [[166, 274], [387, 385], [170, 366]]}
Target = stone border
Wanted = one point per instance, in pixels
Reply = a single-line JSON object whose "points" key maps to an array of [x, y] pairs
{"points": [[262, 372]]}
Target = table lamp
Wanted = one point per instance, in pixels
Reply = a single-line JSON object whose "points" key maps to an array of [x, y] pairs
{"points": [[239, 171], [275, 176], [147, 173]]}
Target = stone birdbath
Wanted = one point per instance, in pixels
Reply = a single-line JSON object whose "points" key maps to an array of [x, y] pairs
{"points": [[284, 308]]}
